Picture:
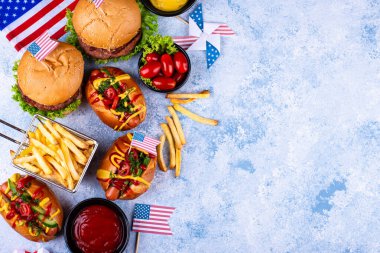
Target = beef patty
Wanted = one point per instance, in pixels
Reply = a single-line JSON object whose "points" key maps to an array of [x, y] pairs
{"points": [[101, 53], [77, 95]]}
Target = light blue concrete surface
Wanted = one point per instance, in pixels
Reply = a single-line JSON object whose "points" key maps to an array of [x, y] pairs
{"points": [[294, 164]]}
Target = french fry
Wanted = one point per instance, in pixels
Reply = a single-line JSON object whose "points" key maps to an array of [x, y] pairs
{"points": [[43, 147], [79, 143], [160, 155], [182, 101], [24, 159], [31, 135], [194, 116], [26, 151], [56, 178], [29, 167], [69, 162], [169, 136], [46, 134], [70, 182], [202, 94], [41, 162], [177, 162], [78, 154], [177, 124], [12, 153], [37, 134], [174, 132], [57, 166], [54, 132]]}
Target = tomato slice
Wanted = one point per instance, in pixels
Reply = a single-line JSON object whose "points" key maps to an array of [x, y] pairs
{"points": [[110, 93], [25, 209]]}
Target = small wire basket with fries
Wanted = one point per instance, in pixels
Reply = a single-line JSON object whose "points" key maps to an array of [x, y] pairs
{"points": [[53, 153]]}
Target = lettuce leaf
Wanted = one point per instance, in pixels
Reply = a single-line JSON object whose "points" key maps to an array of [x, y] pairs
{"points": [[33, 110], [149, 27]]}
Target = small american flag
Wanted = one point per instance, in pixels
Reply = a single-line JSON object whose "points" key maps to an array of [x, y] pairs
{"points": [[141, 141], [42, 46], [152, 219], [23, 21], [97, 3]]}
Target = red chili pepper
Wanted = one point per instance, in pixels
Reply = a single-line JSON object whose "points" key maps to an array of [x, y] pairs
{"points": [[150, 70], [180, 63], [152, 57], [38, 193], [11, 214], [25, 210], [136, 97], [48, 210], [95, 101], [23, 181], [164, 83], [115, 102], [167, 65]]}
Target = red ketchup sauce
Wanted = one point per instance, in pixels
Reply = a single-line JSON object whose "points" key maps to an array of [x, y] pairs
{"points": [[97, 229]]}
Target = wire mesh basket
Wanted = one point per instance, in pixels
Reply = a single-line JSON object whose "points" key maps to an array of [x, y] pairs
{"points": [[25, 143]]}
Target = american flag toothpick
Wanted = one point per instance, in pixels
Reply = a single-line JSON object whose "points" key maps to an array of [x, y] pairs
{"points": [[204, 36], [42, 46], [139, 140]]}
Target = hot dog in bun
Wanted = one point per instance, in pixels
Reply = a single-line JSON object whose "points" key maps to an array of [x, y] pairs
{"points": [[126, 173], [116, 98], [30, 208]]}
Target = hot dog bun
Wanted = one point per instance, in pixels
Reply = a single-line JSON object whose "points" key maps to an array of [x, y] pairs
{"points": [[37, 190], [133, 191], [105, 113]]}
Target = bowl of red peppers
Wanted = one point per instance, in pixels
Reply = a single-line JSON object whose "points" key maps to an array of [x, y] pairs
{"points": [[164, 66]]}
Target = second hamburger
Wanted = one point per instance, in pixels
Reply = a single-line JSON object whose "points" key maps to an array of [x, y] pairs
{"points": [[110, 31]]}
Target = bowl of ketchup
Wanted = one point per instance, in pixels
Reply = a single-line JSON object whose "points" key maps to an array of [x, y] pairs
{"points": [[96, 225]]}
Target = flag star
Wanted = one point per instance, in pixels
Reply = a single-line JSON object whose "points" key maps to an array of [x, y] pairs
{"points": [[16, 8], [25, 1], [8, 8], [9, 1], [23, 8], [1, 7], [4, 21], [6, 14], [14, 15]]}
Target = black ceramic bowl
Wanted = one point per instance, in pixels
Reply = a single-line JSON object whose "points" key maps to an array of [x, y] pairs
{"points": [[68, 227], [178, 85], [153, 9]]}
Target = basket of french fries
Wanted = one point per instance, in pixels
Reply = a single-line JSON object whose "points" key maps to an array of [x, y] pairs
{"points": [[54, 153]]}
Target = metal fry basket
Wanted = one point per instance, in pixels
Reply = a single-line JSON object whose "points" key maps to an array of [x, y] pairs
{"points": [[25, 143]]}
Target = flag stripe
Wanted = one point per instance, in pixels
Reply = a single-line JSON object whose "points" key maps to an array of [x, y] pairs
{"points": [[59, 33], [152, 232], [44, 27], [37, 16], [151, 226], [162, 207], [150, 222]]}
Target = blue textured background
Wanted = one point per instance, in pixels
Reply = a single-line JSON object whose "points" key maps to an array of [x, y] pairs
{"points": [[293, 166]]}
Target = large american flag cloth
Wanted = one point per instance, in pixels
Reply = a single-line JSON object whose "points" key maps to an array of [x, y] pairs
{"points": [[23, 21], [152, 219], [146, 143]]}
